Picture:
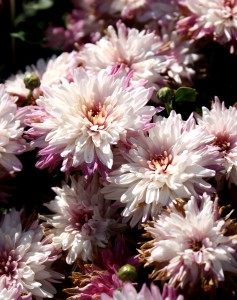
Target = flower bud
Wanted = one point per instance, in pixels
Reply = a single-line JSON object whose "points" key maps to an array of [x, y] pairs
{"points": [[31, 81], [127, 272], [165, 94]]}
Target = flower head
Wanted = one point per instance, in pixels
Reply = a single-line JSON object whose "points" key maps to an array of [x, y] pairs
{"points": [[137, 50], [172, 161], [12, 291], [190, 244], [128, 291], [11, 140], [221, 122], [122, 8], [81, 219], [50, 72], [214, 18], [78, 123], [182, 57], [26, 258], [102, 275]]}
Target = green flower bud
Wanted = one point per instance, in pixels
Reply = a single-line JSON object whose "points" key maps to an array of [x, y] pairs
{"points": [[165, 95], [127, 272], [31, 81]]}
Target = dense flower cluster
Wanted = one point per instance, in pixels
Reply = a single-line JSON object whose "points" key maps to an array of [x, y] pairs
{"points": [[131, 149]]}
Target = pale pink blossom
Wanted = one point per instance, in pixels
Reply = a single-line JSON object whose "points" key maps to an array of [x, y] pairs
{"points": [[216, 18], [80, 25], [121, 8], [182, 57], [158, 12], [128, 291], [11, 141], [173, 160], [12, 291], [101, 276], [137, 50], [26, 257], [189, 245], [50, 71], [221, 122], [81, 219], [79, 123]]}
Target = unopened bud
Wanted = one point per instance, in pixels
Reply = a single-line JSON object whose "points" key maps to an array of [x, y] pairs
{"points": [[127, 272], [31, 81], [165, 94]]}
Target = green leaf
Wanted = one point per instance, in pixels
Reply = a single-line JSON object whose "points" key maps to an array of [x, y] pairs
{"points": [[30, 9], [19, 35], [32, 36], [185, 94], [34, 6]]}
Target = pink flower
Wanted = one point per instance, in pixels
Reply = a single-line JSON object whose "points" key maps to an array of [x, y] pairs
{"points": [[82, 24], [121, 8], [221, 122], [128, 291], [78, 123], [102, 275], [137, 50], [50, 71], [216, 18], [26, 258], [11, 130], [12, 291], [191, 245], [172, 161], [81, 220], [182, 57]]}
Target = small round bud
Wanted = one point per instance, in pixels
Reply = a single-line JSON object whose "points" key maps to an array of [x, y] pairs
{"points": [[165, 94], [31, 81], [127, 272]]}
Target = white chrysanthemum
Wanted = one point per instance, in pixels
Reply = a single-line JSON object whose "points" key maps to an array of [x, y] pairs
{"points": [[137, 50], [221, 122], [217, 18], [49, 72], [158, 11], [128, 291], [182, 57], [11, 141], [26, 257], [81, 219], [124, 8], [189, 244], [172, 161], [12, 291], [81, 121]]}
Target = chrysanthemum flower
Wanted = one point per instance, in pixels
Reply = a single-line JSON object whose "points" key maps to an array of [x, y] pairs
{"points": [[49, 71], [155, 12], [78, 123], [11, 140], [137, 50], [216, 18], [26, 258], [190, 244], [101, 276], [221, 122], [81, 219], [172, 161], [182, 57], [12, 291], [121, 8], [128, 291], [84, 23]]}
